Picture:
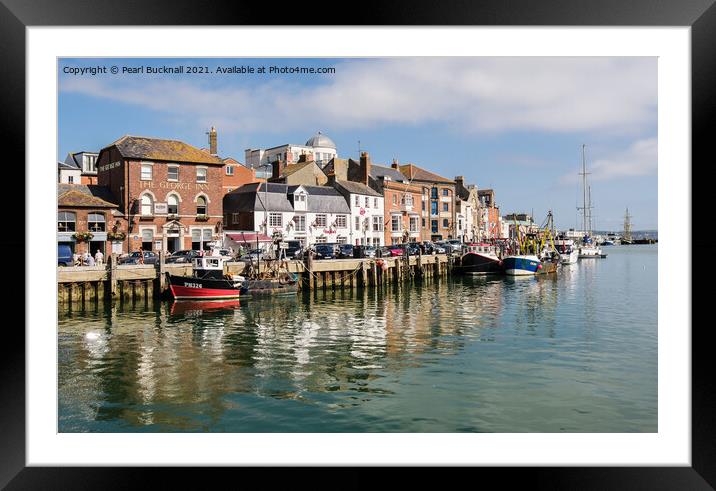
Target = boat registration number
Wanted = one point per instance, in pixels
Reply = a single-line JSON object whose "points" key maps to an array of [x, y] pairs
{"points": [[192, 285]]}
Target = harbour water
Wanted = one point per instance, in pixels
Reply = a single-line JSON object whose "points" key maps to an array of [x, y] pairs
{"points": [[571, 352]]}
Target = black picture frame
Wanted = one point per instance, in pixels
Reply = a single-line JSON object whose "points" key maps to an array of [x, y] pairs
{"points": [[700, 15]]}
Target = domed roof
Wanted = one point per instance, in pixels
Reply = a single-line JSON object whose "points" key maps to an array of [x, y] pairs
{"points": [[320, 140]]}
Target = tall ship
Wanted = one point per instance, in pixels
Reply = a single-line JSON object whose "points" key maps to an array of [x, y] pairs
{"points": [[588, 249], [626, 234]]}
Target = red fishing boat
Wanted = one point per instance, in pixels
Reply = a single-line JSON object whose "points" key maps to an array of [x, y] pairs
{"points": [[207, 281]]}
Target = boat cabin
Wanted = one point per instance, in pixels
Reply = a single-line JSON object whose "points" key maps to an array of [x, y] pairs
{"points": [[208, 267]]}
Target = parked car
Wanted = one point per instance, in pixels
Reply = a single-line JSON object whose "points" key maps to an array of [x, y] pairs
{"points": [[294, 249], [394, 250], [133, 258], [455, 245], [369, 251], [326, 251], [64, 255], [412, 247], [345, 251], [181, 257]]}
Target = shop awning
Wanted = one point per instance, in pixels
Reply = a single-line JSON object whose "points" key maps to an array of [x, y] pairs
{"points": [[248, 237]]}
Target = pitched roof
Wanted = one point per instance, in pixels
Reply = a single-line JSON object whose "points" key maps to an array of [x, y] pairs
{"points": [[414, 172], [275, 197], [376, 171], [90, 195], [293, 168], [66, 166], [356, 188], [140, 147]]}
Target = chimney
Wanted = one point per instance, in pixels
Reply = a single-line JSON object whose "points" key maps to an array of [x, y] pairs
{"points": [[394, 165], [459, 180], [212, 141], [277, 170], [331, 179], [364, 167]]}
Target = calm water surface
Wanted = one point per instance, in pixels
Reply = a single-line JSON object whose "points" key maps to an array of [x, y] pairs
{"points": [[574, 352]]}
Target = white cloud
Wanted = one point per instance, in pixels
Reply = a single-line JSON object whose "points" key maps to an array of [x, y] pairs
{"points": [[639, 159], [610, 95]]}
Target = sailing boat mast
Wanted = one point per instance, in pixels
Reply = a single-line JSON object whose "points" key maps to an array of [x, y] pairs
{"points": [[586, 216]]}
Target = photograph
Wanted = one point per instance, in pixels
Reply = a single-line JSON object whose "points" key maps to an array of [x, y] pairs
{"points": [[386, 244]]}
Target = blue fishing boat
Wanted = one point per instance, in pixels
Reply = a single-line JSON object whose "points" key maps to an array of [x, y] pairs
{"points": [[520, 265]]}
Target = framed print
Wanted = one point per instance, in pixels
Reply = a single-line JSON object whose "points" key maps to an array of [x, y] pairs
{"points": [[418, 240]]}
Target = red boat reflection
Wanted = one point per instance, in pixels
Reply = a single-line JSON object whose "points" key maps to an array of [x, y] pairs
{"points": [[192, 306]]}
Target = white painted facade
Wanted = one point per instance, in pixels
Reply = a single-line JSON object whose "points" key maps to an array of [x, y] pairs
{"points": [[367, 216]]}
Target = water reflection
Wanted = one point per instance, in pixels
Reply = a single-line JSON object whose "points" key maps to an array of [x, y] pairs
{"points": [[365, 360]]}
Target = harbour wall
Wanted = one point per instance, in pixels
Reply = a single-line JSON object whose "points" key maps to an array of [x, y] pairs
{"points": [[112, 282]]}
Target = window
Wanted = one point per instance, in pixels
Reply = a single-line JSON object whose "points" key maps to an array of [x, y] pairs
{"points": [[275, 220], [357, 200], [357, 223], [395, 223], [433, 207], [375, 202], [434, 226], [341, 221], [146, 174], [407, 200], [395, 199], [445, 192], [234, 218], [423, 205], [201, 205], [321, 240], [229, 170], [300, 198], [367, 202], [200, 238], [414, 224], [70, 179], [147, 239], [377, 224], [172, 204], [445, 223], [300, 223], [446, 207], [95, 222], [65, 221], [434, 193], [423, 222], [146, 205], [201, 174], [320, 220], [173, 173]]}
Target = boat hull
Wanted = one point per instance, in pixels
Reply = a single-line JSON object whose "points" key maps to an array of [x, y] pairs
{"points": [[570, 258], [548, 267], [189, 288], [521, 265], [476, 263]]}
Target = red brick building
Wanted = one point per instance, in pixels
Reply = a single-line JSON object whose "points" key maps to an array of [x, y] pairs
{"points": [[438, 202], [87, 217], [169, 192], [236, 175]]}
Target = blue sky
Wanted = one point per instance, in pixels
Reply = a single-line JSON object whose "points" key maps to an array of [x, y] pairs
{"points": [[512, 124]]}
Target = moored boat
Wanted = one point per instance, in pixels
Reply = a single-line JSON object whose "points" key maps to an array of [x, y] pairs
{"points": [[568, 254], [207, 281], [519, 265], [480, 259], [550, 260]]}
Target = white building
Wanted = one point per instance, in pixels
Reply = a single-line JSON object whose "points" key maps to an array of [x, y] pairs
{"points": [[86, 162], [68, 173], [367, 212], [319, 146], [309, 214]]}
